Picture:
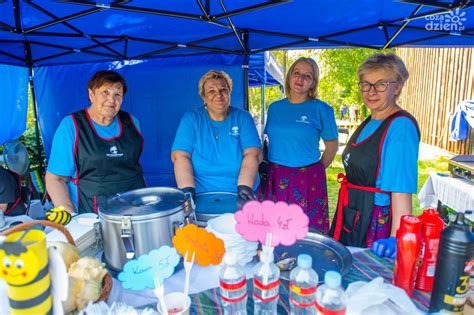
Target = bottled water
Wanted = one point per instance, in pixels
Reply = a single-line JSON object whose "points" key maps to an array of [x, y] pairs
{"points": [[233, 286], [303, 284], [266, 285], [330, 297]]}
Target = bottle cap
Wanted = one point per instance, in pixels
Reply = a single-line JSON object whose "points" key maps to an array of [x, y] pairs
{"points": [[460, 223], [230, 259], [409, 223], [305, 261], [332, 279]]}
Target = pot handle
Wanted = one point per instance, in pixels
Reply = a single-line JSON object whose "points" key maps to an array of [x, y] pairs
{"points": [[189, 196], [190, 216], [127, 236]]}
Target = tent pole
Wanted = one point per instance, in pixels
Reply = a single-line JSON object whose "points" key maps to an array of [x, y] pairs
{"points": [[262, 110], [246, 70], [29, 60]]}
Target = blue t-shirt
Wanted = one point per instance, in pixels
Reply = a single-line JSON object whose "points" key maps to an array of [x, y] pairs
{"points": [[216, 147], [294, 131], [399, 161], [61, 159]]}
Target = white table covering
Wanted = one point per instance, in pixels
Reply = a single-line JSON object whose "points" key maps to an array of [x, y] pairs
{"points": [[456, 193]]}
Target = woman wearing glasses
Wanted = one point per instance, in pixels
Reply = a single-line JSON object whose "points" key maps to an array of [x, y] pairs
{"points": [[380, 161], [294, 128]]}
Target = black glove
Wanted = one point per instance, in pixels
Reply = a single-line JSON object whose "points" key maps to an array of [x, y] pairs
{"points": [[190, 190], [245, 194]]}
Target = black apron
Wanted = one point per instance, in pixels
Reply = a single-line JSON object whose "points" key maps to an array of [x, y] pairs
{"points": [[105, 167], [357, 193]]}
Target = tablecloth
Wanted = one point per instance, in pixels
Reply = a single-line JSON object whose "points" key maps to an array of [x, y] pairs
{"points": [[456, 193], [366, 266]]}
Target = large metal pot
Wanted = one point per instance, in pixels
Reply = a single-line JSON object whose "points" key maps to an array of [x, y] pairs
{"points": [[135, 222], [212, 204]]}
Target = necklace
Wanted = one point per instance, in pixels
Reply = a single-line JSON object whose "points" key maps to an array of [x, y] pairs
{"points": [[216, 127]]}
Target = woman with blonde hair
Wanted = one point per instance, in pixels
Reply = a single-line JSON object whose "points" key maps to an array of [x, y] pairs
{"points": [[380, 161], [217, 148], [295, 126]]}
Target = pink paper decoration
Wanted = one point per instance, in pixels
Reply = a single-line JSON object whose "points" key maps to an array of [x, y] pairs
{"points": [[287, 223]]}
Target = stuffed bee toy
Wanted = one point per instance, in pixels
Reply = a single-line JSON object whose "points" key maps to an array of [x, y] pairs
{"points": [[36, 277], [58, 215]]}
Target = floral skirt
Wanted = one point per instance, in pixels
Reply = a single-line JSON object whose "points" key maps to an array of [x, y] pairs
{"points": [[304, 186], [380, 224]]}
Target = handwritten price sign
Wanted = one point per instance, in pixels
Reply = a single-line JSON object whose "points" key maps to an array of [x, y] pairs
{"points": [[287, 223], [208, 248], [138, 274]]}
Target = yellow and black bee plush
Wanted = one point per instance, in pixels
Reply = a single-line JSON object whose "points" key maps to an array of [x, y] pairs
{"points": [[58, 215]]}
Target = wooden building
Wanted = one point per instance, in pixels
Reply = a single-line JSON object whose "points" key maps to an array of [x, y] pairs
{"points": [[440, 78]]}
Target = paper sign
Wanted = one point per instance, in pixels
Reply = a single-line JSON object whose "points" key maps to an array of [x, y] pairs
{"points": [[138, 274], [287, 223], [208, 248]]}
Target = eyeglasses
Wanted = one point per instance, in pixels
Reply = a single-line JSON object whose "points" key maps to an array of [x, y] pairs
{"points": [[379, 86]]}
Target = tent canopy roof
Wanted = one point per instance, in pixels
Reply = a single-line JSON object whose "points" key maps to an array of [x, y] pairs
{"points": [[38, 33]]}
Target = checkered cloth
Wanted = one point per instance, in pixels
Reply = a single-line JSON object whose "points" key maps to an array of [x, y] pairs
{"points": [[366, 266]]}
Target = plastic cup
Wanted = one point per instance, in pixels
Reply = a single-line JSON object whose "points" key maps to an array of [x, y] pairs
{"points": [[177, 304]]}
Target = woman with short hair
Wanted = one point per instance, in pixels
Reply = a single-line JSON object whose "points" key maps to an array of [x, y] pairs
{"points": [[380, 161], [217, 148]]}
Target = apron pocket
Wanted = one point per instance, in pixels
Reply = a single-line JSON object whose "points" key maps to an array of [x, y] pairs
{"points": [[351, 219]]}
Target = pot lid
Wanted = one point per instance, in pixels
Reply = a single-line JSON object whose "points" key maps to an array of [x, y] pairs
{"points": [[216, 203], [145, 202]]}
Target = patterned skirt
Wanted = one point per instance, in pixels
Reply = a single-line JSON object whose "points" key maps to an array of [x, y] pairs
{"points": [[380, 224], [304, 186]]}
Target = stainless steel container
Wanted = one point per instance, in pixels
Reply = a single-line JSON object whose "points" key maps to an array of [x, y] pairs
{"points": [[135, 222], [212, 204]]}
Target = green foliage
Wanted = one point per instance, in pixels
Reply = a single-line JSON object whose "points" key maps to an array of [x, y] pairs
{"points": [[338, 81], [29, 138]]}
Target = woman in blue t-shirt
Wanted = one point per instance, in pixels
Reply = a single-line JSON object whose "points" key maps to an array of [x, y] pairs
{"points": [[295, 126], [380, 161], [217, 148]]}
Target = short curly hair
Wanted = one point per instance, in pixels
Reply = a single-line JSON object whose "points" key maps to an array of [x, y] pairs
{"points": [[103, 77], [388, 62], [216, 75]]}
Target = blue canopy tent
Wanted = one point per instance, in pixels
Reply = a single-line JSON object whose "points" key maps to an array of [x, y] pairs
{"points": [[159, 46]]}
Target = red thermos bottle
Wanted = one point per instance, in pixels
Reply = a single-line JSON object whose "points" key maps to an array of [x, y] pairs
{"points": [[408, 253], [431, 228]]}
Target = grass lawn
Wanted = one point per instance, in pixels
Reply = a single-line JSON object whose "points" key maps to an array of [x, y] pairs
{"points": [[425, 167]]}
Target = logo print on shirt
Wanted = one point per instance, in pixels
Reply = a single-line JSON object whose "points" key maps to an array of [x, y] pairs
{"points": [[347, 157], [234, 131], [114, 152], [303, 119]]}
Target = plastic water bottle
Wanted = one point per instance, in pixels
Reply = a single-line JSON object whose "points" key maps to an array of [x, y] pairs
{"points": [[303, 284], [266, 287], [330, 297], [233, 286]]}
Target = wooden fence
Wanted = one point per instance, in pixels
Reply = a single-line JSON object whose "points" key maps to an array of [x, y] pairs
{"points": [[440, 78]]}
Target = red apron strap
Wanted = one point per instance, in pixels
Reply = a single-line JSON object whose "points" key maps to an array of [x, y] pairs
{"points": [[343, 200]]}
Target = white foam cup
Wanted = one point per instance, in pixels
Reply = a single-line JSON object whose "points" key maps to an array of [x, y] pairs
{"points": [[177, 304]]}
